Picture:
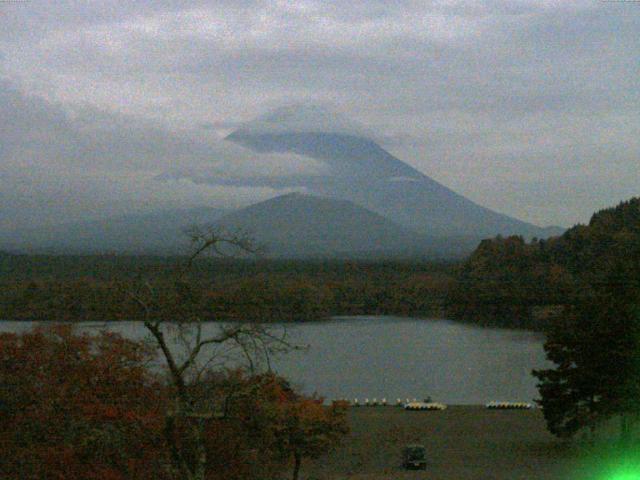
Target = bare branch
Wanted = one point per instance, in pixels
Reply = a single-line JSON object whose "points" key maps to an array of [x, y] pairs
{"points": [[251, 341], [212, 239]]}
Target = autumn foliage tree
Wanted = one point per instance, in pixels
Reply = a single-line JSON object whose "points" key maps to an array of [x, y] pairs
{"points": [[310, 429], [505, 279], [273, 424], [88, 407], [508, 281], [78, 407], [266, 427]]}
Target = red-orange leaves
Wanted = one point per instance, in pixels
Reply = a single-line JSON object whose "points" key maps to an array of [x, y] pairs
{"points": [[78, 407], [85, 407]]}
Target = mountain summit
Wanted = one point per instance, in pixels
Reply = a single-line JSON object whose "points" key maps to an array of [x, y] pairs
{"points": [[363, 172], [301, 119]]}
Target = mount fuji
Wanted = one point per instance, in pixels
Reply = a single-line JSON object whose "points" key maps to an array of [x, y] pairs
{"points": [[362, 172]]}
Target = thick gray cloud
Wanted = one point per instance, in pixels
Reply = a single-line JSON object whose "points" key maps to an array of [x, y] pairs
{"points": [[57, 166], [528, 107]]}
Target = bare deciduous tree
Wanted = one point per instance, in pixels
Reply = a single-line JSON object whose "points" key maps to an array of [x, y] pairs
{"points": [[189, 351]]}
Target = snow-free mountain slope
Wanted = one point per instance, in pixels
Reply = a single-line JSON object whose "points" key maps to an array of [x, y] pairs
{"points": [[298, 225], [363, 172], [158, 233]]}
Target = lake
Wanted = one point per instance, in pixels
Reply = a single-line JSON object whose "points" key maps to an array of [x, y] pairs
{"points": [[391, 357]]}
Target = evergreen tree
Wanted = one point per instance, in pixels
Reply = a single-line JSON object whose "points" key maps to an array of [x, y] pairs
{"points": [[596, 349]]}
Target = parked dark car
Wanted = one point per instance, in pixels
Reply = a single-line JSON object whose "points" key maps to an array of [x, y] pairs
{"points": [[414, 457]]}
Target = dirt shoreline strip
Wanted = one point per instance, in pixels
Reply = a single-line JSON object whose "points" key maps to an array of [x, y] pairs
{"points": [[462, 442]]}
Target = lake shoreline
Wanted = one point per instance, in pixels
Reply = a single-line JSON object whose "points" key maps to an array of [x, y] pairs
{"points": [[390, 357], [425, 316]]}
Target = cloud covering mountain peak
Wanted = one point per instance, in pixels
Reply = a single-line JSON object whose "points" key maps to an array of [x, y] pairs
{"points": [[301, 118]]}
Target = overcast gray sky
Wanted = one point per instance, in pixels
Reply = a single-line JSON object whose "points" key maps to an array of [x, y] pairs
{"points": [[531, 108]]}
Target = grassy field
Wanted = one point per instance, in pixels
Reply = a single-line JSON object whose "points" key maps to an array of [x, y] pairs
{"points": [[463, 443]]}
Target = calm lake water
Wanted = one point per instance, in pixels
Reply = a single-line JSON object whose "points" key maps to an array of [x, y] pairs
{"points": [[376, 357]]}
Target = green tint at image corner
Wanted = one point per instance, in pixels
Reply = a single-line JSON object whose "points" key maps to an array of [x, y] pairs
{"points": [[624, 474], [613, 467]]}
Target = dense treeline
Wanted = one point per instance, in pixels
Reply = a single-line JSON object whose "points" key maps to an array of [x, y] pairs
{"points": [[99, 287], [514, 283]]}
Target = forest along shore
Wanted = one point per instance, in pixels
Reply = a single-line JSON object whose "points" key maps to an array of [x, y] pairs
{"points": [[98, 288], [462, 442]]}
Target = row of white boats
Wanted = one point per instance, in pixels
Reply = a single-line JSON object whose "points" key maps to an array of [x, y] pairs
{"points": [[427, 404]]}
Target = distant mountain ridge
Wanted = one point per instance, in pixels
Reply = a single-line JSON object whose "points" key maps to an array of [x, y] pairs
{"points": [[299, 225], [159, 232]]}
